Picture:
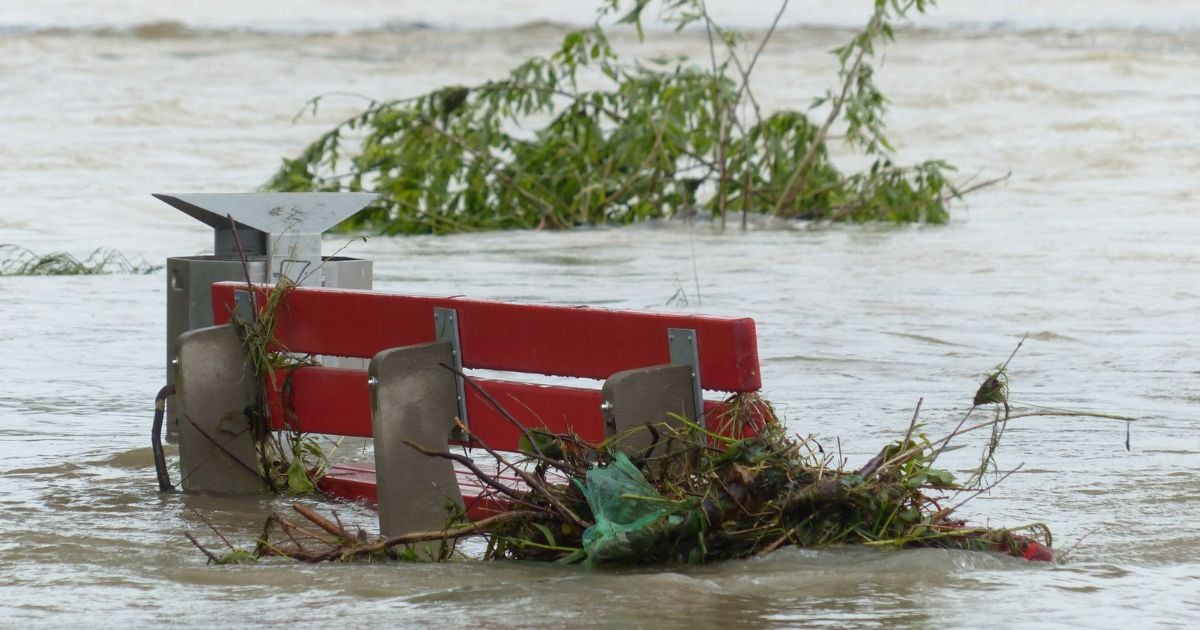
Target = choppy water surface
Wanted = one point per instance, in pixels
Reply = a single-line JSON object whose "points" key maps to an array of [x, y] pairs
{"points": [[1090, 247]]}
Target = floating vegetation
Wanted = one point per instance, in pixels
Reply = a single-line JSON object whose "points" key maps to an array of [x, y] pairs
{"points": [[583, 137], [698, 496], [19, 261]]}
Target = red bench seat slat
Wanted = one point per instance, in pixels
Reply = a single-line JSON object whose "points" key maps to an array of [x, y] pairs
{"points": [[336, 401], [356, 482]]}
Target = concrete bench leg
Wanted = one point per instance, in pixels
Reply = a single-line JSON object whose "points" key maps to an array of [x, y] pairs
{"points": [[414, 398], [215, 385], [642, 396]]}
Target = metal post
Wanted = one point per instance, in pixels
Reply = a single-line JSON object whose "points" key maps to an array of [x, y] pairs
{"points": [[685, 349], [445, 323]]}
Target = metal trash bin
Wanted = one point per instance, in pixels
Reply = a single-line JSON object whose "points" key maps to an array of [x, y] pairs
{"points": [[279, 234]]}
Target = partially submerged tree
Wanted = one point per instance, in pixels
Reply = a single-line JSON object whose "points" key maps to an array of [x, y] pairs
{"points": [[615, 142]]}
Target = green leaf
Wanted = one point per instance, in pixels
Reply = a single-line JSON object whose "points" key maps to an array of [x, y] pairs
{"points": [[237, 556], [297, 478], [546, 444], [573, 557], [547, 533], [940, 478]]}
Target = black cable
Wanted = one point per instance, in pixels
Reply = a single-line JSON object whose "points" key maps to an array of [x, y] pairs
{"points": [[160, 460]]}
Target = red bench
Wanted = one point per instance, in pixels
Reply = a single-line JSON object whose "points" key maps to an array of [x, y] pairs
{"points": [[558, 341]]}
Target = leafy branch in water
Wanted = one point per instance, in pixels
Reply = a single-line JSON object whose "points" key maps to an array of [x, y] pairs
{"points": [[622, 142]]}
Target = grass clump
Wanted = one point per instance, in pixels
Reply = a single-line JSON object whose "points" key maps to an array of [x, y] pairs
{"points": [[20, 261]]}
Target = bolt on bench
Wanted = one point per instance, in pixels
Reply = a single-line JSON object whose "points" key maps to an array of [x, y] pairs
{"points": [[652, 364]]}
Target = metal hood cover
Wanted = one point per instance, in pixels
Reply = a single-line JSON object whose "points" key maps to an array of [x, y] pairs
{"points": [[274, 213]]}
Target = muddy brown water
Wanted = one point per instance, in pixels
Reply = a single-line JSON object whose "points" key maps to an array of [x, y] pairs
{"points": [[1090, 247]]}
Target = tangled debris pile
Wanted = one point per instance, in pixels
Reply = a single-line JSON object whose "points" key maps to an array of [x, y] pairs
{"points": [[698, 496]]}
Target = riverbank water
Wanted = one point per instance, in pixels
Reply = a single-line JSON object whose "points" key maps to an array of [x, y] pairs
{"points": [[1090, 247]]}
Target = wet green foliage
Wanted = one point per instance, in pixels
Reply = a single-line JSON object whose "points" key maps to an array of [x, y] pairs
{"points": [[290, 461], [237, 556], [294, 461], [709, 498], [583, 137], [19, 261], [994, 389]]}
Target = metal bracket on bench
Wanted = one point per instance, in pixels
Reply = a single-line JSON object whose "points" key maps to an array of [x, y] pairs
{"points": [[445, 324], [685, 349], [244, 306]]}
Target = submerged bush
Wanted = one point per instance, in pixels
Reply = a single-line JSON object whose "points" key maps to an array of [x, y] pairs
{"points": [[655, 139]]}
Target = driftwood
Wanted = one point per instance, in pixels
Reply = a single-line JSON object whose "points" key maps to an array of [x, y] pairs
{"points": [[337, 544]]}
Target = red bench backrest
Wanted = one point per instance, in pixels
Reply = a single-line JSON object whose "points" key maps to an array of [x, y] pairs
{"points": [[532, 338]]}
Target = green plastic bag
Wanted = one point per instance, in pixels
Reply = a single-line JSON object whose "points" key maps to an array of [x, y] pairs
{"points": [[629, 513]]}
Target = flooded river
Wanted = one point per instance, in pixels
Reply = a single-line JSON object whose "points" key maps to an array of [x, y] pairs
{"points": [[1090, 247]]}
